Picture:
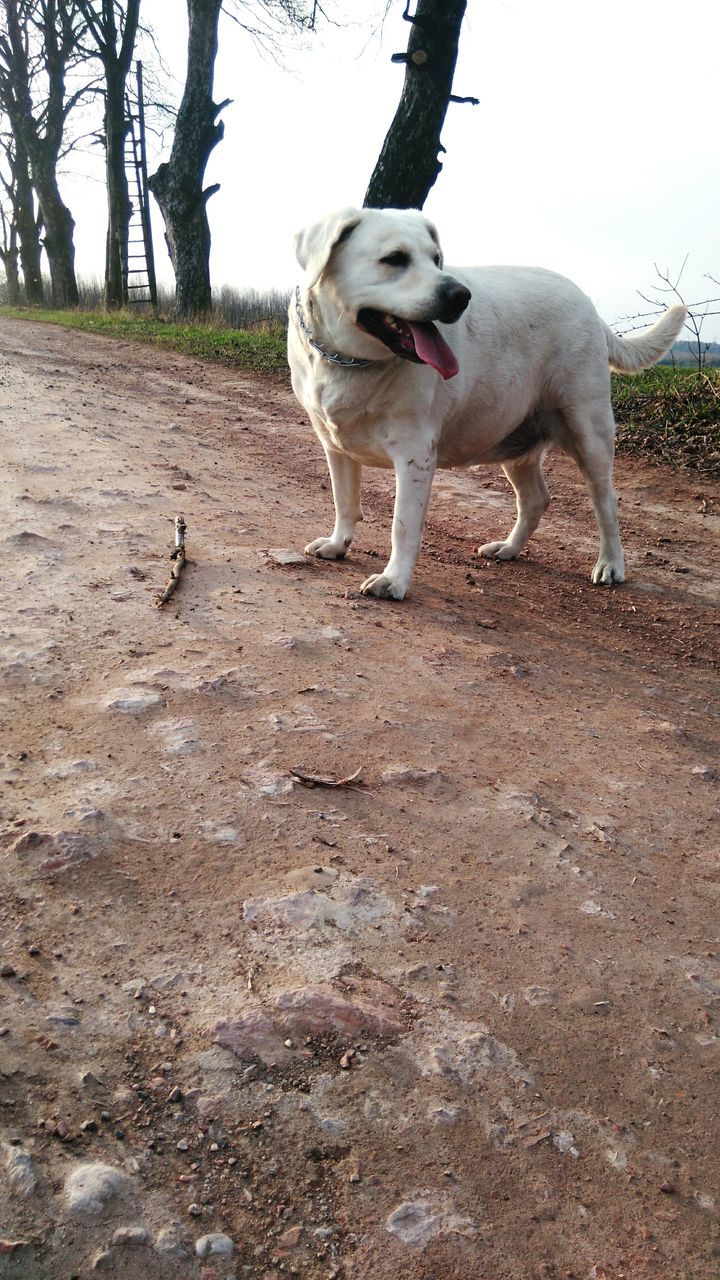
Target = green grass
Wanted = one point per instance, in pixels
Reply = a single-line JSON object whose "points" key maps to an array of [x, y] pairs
{"points": [[663, 414], [255, 350], [671, 416]]}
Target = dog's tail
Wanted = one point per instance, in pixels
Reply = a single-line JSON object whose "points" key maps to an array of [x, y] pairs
{"points": [[629, 355]]}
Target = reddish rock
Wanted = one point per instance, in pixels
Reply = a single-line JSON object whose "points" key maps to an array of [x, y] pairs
{"points": [[351, 1006]]}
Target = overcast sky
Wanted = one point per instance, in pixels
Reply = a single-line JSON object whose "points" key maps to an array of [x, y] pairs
{"points": [[594, 150]]}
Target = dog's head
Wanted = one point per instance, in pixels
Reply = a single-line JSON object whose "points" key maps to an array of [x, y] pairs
{"points": [[384, 270]]}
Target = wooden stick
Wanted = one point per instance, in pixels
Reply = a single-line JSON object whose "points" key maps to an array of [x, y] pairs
{"points": [[178, 557]]}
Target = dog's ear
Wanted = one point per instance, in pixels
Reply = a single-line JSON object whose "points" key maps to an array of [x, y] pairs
{"points": [[434, 233], [314, 245]]}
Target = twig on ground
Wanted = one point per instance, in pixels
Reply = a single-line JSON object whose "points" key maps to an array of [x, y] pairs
{"points": [[178, 557], [317, 780]]}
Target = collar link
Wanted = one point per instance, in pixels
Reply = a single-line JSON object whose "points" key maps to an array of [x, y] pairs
{"points": [[348, 362]]}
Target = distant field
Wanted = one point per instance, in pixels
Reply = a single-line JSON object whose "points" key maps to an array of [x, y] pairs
{"points": [[670, 415]]}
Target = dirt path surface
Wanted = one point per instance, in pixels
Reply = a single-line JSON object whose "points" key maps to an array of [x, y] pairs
{"points": [[457, 1021]]}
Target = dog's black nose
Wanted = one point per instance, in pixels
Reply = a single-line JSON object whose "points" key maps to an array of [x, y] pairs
{"points": [[452, 301]]}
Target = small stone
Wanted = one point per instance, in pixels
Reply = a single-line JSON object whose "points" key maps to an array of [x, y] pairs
{"points": [[285, 556], [182, 1145], [89, 1126], [175, 1094], [131, 1236], [591, 1001], [4, 1031], [101, 1260], [667, 1188], [34, 950], [195, 1210], [705, 772], [290, 1239], [7, 971], [214, 1243], [89, 1187], [132, 701], [20, 1171], [171, 1240]]}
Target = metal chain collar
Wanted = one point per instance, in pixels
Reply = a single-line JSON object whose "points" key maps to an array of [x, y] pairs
{"points": [[348, 362]]}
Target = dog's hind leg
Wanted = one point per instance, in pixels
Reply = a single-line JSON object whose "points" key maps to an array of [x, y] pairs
{"points": [[345, 475], [526, 477], [590, 440]]}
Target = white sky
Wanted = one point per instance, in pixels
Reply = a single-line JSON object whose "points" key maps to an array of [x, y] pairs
{"points": [[594, 150]]}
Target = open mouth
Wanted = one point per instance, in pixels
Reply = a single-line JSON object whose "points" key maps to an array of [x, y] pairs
{"points": [[416, 340]]}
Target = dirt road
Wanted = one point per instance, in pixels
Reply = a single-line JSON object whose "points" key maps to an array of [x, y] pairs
{"points": [[459, 1020]]}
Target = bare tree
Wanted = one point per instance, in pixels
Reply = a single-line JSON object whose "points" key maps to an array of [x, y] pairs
{"points": [[698, 312], [408, 164], [22, 215], [178, 183], [39, 43], [112, 29]]}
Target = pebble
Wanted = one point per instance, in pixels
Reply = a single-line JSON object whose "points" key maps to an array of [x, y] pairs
{"points": [[89, 1186], [131, 701], [7, 971], [591, 1001], [290, 1239], [20, 1171], [182, 1145], [216, 1242], [706, 772], [171, 1240], [284, 555], [101, 1260], [131, 1236], [195, 1210]]}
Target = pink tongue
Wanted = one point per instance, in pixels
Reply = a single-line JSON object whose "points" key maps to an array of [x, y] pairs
{"points": [[433, 349]]}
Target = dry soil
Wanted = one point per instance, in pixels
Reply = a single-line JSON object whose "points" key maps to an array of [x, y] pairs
{"points": [[457, 1020]]}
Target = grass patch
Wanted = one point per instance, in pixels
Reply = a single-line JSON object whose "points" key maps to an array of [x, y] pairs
{"points": [[252, 349], [670, 416], [663, 414]]}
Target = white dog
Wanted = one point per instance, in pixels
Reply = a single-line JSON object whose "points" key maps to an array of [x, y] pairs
{"points": [[526, 365]]}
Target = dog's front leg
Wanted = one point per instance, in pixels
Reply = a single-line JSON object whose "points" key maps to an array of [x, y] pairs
{"points": [[414, 471], [345, 475]]}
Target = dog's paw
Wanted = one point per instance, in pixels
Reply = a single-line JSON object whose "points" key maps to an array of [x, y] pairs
{"points": [[327, 549], [382, 586], [608, 573], [498, 551]]}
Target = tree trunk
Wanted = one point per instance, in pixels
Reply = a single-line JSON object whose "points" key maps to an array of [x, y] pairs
{"points": [[408, 164], [178, 184], [59, 225], [28, 227], [10, 262], [116, 263], [43, 149]]}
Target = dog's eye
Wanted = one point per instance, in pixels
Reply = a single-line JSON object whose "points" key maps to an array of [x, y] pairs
{"points": [[397, 259], [436, 259]]}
